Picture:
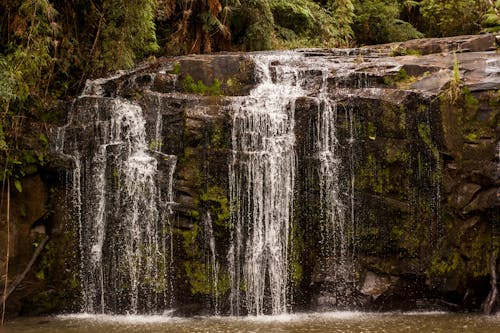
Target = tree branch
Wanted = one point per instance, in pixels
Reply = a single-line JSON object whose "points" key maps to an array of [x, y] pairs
{"points": [[21, 277], [490, 301]]}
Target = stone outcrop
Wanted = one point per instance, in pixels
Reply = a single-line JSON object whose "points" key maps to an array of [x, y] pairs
{"points": [[420, 147]]}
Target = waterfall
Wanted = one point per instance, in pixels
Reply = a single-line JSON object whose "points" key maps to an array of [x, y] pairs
{"points": [[212, 263], [261, 181], [262, 176], [337, 211], [122, 216]]}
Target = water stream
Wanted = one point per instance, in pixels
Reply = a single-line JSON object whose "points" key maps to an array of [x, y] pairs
{"points": [[262, 176], [262, 183], [123, 220]]}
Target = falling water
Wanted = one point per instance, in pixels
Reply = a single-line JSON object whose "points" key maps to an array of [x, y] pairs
{"points": [[336, 194], [262, 175], [212, 263], [122, 222]]}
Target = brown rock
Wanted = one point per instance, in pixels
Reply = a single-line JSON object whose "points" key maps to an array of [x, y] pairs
{"points": [[463, 194], [484, 200], [375, 285]]}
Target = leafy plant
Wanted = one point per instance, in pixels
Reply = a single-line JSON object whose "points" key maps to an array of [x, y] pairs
{"points": [[200, 88], [453, 17], [491, 20], [378, 22]]}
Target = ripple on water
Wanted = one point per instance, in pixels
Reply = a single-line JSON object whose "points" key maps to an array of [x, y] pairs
{"points": [[327, 322], [123, 319]]}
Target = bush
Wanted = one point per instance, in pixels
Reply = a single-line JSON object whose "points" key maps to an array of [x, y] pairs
{"points": [[377, 21], [452, 17]]}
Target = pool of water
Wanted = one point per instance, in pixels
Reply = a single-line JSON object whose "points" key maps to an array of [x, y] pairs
{"points": [[332, 322]]}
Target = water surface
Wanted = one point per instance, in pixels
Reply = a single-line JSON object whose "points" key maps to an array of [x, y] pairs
{"points": [[333, 322]]}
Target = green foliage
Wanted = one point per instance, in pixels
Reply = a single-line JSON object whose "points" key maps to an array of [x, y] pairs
{"points": [[403, 51], [177, 69], [378, 22], [342, 17], [454, 91], [252, 25], [42, 54], [17, 184], [401, 75], [491, 20], [452, 17], [303, 23], [25, 62], [129, 32]]}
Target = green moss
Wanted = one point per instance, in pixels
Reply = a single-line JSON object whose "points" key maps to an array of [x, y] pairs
{"points": [[297, 272], [402, 119], [22, 210], [403, 51], [451, 263], [200, 278], [396, 232], [190, 241], [217, 137], [215, 200], [395, 154], [471, 104], [177, 68], [401, 79], [194, 214], [155, 145], [188, 167], [200, 88], [494, 99], [371, 131], [424, 131], [374, 176], [478, 253], [197, 277], [233, 86]]}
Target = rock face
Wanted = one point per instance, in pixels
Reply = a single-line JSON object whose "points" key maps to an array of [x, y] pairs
{"points": [[415, 133]]}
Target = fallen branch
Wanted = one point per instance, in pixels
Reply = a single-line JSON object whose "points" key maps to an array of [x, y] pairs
{"points": [[21, 277], [490, 301]]}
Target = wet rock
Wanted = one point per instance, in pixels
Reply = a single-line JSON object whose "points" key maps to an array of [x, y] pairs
{"points": [[434, 82], [462, 195], [234, 72], [488, 199], [375, 285], [472, 43]]}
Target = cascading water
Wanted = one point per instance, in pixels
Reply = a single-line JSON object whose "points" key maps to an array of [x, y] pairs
{"points": [[123, 212], [262, 175], [212, 263], [123, 219], [336, 195]]}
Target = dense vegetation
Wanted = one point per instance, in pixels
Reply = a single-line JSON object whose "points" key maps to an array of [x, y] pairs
{"points": [[49, 48]]}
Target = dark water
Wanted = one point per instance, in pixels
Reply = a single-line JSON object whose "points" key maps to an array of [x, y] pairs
{"points": [[335, 322]]}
